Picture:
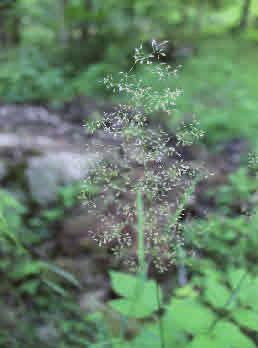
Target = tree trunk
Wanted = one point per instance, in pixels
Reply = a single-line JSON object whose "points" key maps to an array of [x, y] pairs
{"points": [[244, 15], [63, 32], [9, 23]]}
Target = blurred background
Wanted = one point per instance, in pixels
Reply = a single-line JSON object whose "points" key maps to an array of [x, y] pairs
{"points": [[53, 58], [55, 52]]}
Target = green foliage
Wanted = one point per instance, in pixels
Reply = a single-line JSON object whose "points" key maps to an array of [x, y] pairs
{"points": [[30, 286], [228, 239], [68, 198], [77, 42], [219, 87], [238, 190], [215, 293], [18, 265], [139, 295], [224, 305], [224, 334], [10, 217], [89, 80], [29, 76], [181, 312], [213, 316]]}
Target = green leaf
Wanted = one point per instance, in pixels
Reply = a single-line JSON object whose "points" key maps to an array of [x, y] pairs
{"points": [[5, 231], [140, 295], [8, 201], [29, 287], [53, 214], [203, 341], [189, 315], [128, 285], [186, 291], [246, 318], [215, 293], [136, 309], [235, 275], [62, 273], [26, 268], [247, 292], [229, 336], [149, 337], [55, 287]]}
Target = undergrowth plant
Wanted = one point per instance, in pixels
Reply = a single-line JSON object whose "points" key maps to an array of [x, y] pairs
{"points": [[145, 181], [20, 264], [145, 187]]}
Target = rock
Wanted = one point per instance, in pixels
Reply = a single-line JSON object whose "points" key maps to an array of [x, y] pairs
{"points": [[93, 301], [45, 174], [48, 333], [82, 108], [28, 144], [17, 117], [47, 150]]}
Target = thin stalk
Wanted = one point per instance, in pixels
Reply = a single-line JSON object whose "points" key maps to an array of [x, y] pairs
{"points": [[161, 327], [140, 233], [142, 265], [160, 305]]}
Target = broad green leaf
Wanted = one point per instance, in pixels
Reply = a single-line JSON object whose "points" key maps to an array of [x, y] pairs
{"points": [[138, 308], [211, 272], [186, 291], [204, 341], [189, 315], [246, 318], [230, 336], [140, 295], [150, 337], [123, 284], [247, 289], [215, 293], [235, 275]]}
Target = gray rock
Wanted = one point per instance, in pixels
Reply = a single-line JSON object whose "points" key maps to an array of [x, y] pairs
{"points": [[48, 333], [93, 301], [46, 174]]}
